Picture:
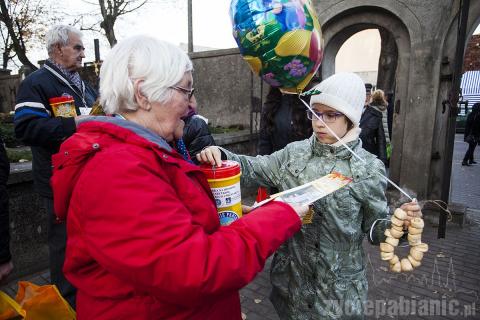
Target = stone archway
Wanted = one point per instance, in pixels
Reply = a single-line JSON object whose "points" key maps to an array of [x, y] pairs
{"points": [[425, 38], [339, 28]]}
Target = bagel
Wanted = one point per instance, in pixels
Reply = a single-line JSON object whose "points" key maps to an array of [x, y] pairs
{"points": [[406, 265], [415, 263], [386, 247], [397, 267], [394, 260], [413, 230], [396, 221], [396, 233], [416, 254], [392, 241], [417, 223], [422, 247], [398, 228], [414, 239], [400, 214], [386, 255]]}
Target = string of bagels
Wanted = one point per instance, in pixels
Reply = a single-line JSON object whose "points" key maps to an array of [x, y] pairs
{"points": [[396, 231]]}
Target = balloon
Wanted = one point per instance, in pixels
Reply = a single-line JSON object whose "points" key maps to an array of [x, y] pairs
{"points": [[281, 40]]}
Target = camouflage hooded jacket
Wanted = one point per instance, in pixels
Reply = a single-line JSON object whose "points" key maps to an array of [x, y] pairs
{"points": [[320, 272]]}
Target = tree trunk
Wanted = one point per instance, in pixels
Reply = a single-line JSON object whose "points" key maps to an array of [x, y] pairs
{"points": [[107, 25], [387, 63], [17, 46], [108, 21], [5, 55]]}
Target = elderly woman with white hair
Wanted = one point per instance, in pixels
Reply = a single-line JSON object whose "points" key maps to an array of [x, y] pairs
{"points": [[144, 238]]}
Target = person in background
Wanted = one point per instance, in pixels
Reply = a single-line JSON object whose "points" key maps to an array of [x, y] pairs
{"points": [[325, 261], [196, 134], [368, 95], [472, 134], [373, 134], [379, 102], [282, 121], [49, 103], [6, 265], [144, 236]]}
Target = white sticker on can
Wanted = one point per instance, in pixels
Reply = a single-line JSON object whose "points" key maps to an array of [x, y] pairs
{"points": [[227, 196]]}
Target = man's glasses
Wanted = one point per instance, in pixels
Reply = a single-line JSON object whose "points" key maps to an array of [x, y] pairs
{"points": [[188, 92], [327, 117]]}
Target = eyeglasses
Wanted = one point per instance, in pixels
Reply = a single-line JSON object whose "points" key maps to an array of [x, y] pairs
{"points": [[327, 117], [188, 92]]}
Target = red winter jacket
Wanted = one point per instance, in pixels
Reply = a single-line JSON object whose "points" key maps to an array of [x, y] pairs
{"points": [[144, 239]]}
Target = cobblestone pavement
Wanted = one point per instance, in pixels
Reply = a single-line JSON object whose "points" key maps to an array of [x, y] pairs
{"points": [[446, 286]]}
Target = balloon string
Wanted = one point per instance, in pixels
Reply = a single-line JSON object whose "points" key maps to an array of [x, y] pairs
{"points": [[351, 151]]}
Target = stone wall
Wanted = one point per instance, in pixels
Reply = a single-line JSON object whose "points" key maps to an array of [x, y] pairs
{"points": [[224, 86], [472, 54], [28, 224], [8, 90]]}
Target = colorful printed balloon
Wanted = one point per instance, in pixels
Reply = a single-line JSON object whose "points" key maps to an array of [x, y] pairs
{"points": [[280, 39]]}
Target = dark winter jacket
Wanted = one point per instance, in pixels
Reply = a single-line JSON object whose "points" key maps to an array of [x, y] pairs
{"points": [[4, 223], [36, 124], [196, 135], [372, 135], [290, 122], [472, 125]]}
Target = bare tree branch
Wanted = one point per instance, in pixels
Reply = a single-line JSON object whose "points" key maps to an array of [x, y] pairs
{"points": [[110, 10], [15, 35], [25, 22]]}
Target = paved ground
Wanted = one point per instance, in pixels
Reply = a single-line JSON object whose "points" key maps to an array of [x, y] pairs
{"points": [[446, 286], [465, 180]]}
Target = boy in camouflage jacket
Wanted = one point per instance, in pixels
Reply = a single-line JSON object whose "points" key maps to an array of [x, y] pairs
{"points": [[320, 273]]}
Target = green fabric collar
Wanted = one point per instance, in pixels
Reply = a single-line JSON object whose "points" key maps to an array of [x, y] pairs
{"points": [[325, 150]]}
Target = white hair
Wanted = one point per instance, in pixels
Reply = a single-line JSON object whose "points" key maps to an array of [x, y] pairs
{"points": [[59, 35], [159, 64]]}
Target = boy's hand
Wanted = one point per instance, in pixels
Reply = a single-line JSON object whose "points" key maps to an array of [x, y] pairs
{"points": [[210, 155], [413, 210]]}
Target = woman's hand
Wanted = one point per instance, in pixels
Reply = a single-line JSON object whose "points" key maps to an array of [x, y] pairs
{"points": [[210, 155], [246, 209], [301, 210], [413, 210]]}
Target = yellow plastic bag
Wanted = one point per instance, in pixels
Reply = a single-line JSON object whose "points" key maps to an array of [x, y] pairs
{"points": [[9, 308], [35, 303]]}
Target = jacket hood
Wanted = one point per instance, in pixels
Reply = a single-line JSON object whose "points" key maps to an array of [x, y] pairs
{"points": [[373, 110], [93, 134], [379, 107]]}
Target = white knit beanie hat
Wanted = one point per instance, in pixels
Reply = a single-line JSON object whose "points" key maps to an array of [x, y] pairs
{"points": [[345, 92]]}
